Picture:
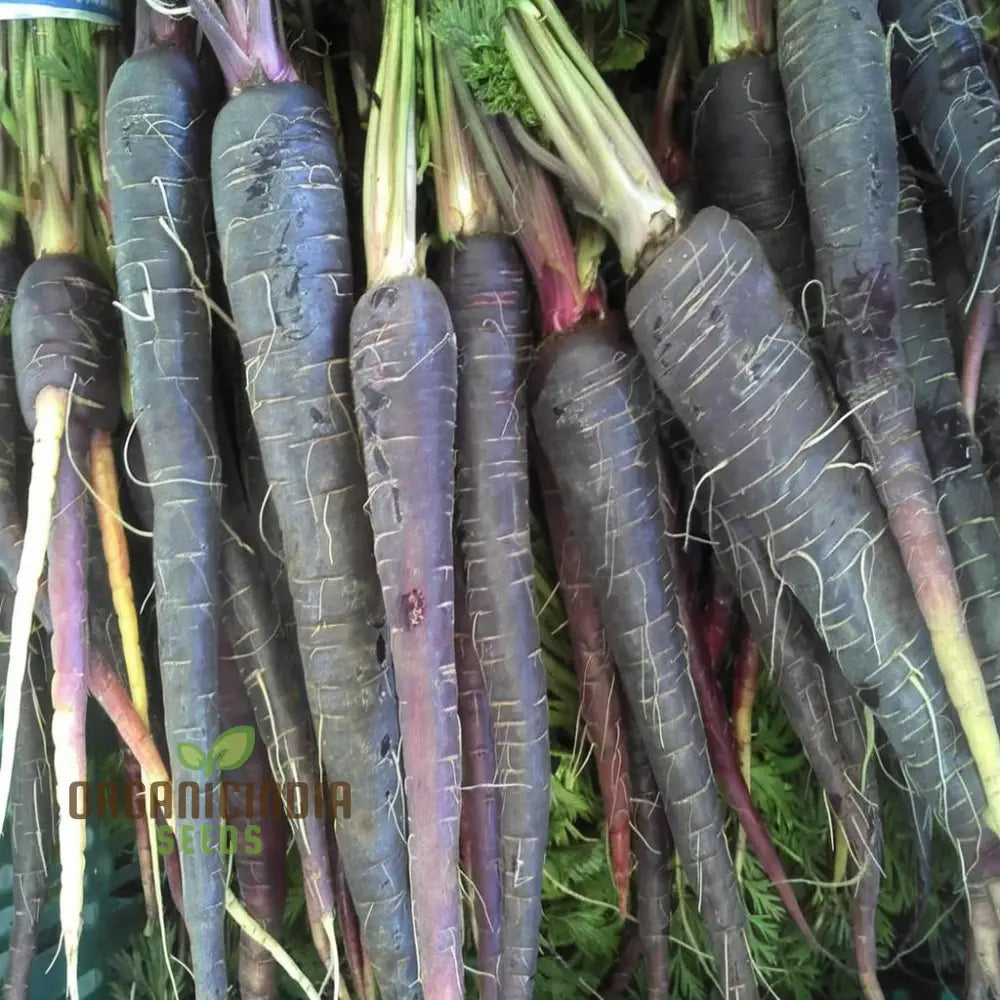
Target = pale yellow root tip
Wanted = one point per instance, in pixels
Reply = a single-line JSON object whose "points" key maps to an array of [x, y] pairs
{"points": [[840, 854], [870, 987], [256, 933], [333, 969], [966, 689], [50, 417], [986, 937]]}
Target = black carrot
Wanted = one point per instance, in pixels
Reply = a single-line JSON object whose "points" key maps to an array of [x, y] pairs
{"points": [[158, 124], [484, 283], [282, 225]]}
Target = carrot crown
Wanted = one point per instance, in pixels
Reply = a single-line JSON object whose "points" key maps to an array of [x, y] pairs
{"points": [[531, 209], [598, 156], [463, 196], [740, 28], [244, 39]]}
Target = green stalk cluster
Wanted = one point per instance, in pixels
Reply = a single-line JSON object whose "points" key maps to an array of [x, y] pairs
{"points": [[605, 166], [464, 199], [740, 28], [10, 202], [389, 185], [563, 280], [57, 75]]}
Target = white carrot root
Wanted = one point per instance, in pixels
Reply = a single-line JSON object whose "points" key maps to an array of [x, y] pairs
{"points": [[50, 411]]}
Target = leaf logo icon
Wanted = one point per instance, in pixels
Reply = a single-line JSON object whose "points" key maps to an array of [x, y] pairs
{"points": [[231, 749]]}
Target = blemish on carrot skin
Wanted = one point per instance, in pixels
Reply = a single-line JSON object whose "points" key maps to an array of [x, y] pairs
{"points": [[414, 608]]}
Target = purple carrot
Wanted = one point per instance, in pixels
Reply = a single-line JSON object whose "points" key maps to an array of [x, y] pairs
{"points": [[718, 622], [723, 752], [619, 977], [653, 882], [68, 598], [479, 827], [357, 958], [256, 831], [600, 689]]}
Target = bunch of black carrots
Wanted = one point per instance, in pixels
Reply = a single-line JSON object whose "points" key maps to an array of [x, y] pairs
{"points": [[757, 412]]}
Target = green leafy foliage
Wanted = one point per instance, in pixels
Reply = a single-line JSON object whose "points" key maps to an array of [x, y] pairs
{"points": [[73, 68], [473, 33], [581, 929]]}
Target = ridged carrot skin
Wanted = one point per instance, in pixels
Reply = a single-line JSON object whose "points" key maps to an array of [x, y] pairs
{"points": [[594, 415], [280, 216], [948, 95], [64, 329], [405, 375], [268, 663], [953, 450], [11, 522], [744, 162], [845, 136], [259, 839], [479, 827], [158, 129], [746, 355], [484, 284], [601, 699]]}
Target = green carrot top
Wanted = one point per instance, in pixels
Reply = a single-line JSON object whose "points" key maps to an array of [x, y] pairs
{"points": [[464, 199], [58, 71], [599, 157], [389, 185]]}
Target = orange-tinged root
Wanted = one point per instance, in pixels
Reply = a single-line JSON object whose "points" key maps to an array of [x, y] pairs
{"points": [[135, 789], [50, 414], [104, 482]]}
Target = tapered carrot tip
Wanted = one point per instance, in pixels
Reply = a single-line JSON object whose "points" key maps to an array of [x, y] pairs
{"points": [[321, 942], [980, 328], [620, 849], [986, 939], [50, 416], [870, 986], [143, 841]]}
